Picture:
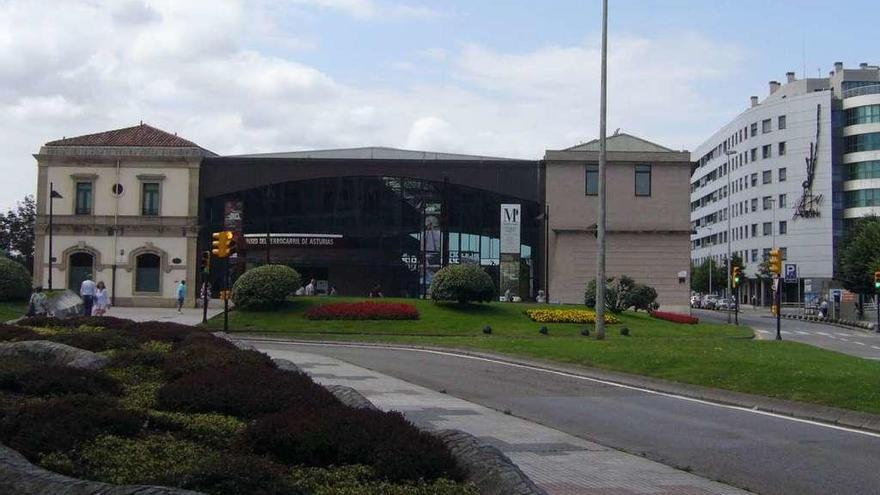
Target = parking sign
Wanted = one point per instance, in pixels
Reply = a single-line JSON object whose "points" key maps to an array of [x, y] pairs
{"points": [[791, 273]]}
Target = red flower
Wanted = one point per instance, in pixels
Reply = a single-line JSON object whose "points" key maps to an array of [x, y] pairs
{"points": [[367, 310], [675, 317]]}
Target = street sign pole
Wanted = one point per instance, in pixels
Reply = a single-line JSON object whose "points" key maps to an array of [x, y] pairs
{"points": [[778, 308], [226, 299], [736, 306]]}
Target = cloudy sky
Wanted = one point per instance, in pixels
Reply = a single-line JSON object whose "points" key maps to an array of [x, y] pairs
{"points": [[508, 78]]}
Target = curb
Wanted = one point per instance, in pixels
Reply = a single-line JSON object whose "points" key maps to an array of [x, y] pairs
{"points": [[800, 410], [853, 325]]}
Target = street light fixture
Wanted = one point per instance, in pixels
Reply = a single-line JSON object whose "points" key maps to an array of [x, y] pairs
{"points": [[729, 153], [53, 195]]}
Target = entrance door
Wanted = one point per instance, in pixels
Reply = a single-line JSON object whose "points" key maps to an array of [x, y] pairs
{"points": [[80, 266]]}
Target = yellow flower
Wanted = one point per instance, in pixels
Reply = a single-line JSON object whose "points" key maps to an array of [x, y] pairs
{"points": [[567, 316]]}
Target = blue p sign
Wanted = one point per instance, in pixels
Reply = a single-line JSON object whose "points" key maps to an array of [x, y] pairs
{"points": [[791, 273]]}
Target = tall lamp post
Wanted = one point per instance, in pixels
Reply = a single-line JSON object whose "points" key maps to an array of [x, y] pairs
{"points": [[711, 262], [53, 195], [600, 222], [729, 153]]}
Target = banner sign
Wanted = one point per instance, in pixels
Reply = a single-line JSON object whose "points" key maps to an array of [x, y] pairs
{"points": [[511, 226]]}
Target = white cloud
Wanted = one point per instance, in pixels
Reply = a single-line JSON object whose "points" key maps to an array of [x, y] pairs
{"points": [[371, 9], [185, 67]]}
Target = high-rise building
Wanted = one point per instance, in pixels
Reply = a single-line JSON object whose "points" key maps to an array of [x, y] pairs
{"points": [[793, 171]]}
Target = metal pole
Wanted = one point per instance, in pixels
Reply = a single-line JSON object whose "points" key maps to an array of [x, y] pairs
{"points": [[727, 235], [205, 276], [51, 201], [600, 223], [226, 299], [547, 253], [877, 307], [778, 308], [736, 308]]}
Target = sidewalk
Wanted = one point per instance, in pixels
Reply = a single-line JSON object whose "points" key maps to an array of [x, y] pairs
{"points": [[187, 316], [559, 463]]}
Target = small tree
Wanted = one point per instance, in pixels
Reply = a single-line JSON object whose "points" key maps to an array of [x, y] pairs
{"points": [[462, 283], [859, 257], [641, 297], [700, 276], [17, 232], [265, 287], [15, 281]]}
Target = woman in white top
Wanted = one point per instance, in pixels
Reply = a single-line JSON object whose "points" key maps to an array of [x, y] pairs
{"points": [[102, 300]]}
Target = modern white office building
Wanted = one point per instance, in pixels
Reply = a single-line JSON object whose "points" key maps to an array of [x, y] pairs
{"points": [[793, 171]]}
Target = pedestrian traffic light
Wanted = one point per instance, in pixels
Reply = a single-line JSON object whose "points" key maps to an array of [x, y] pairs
{"points": [[877, 280], [206, 261], [775, 263], [737, 276], [221, 243]]}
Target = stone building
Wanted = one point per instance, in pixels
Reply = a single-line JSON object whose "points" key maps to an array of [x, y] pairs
{"points": [[125, 210], [647, 222]]}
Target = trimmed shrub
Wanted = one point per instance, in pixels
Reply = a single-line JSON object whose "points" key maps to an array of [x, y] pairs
{"points": [[200, 353], [162, 331], [366, 310], [567, 315], [152, 460], [243, 391], [394, 448], [462, 283], [108, 322], [56, 380], [675, 317], [217, 430], [641, 297], [621, 294], [15, 280], [265, 287], [17, 333], [95, 341], [361, 480], [234, 474], [64, 423]]}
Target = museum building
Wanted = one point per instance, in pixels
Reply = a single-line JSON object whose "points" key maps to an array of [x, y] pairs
{"points": [[136, 206]]}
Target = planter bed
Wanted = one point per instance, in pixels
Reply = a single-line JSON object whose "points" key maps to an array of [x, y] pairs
{"points": [[367, 310], [176, 406], [675, 317], [567, 316]]}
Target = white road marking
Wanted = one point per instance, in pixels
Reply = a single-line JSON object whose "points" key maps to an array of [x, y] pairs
{"points": [[585, 378], [786, 332], [823, 333], [763, 331], [859, 343], [875, 347], [802, 333], [843, 339]]}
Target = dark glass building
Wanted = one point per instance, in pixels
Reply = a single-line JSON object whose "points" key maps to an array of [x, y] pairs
{"points": [[355, 219]]}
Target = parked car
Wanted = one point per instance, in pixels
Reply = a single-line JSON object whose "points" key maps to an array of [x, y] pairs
{"points": [[709, 301], [725, 304], [695, 301]]}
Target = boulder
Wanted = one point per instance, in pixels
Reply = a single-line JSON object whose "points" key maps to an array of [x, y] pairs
{"points": [[65, 305], [54, 353]]}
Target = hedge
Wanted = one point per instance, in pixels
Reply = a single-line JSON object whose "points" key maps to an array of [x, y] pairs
{"points": [[15, 280], [462, 283], [265, 287]]}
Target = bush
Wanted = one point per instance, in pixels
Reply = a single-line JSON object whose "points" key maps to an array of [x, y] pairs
{"points": [[462, 283], [216, 430], [17, 333], [567, 315], [621, 294], [55, 380], [206, 356], [675, 317], [394, 448], [108, 322], [367, 310], [361, 480], [243, 391], [63, 423], [95, 341], [161, 331], [265, 287], [152, 460], [641, 297], [15, 280], [235, 474]]}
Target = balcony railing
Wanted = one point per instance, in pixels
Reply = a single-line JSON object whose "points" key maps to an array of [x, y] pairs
{"points": [[872, 89]]}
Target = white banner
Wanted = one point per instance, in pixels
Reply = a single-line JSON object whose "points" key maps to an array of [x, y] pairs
{"points": [[511, 223]]}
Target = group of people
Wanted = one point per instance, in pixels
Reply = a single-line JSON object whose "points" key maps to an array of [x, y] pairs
{"points": [[96, 300], [311, 289]]}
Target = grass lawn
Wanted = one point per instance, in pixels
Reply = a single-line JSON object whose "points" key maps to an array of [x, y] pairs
{"points": [[706, 354], [10, 310]]}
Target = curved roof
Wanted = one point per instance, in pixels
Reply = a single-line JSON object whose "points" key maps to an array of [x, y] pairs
{"points": [[373, 153]]}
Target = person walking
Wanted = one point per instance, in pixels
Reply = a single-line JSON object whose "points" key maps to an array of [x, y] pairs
{"points": [[39, 303], [181, 294], [102, 300], [312, 288], [87, 292]]}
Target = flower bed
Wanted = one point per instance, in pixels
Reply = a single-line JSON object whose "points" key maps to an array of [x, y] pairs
{"points": [[675, 317], [179, 407], [567, 316], [366, 310]]}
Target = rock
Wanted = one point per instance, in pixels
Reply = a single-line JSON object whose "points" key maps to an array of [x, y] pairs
{"points": [[65, 305], [53, 353], [237, 343], [19, 476], [350, 397], [285, 364]]}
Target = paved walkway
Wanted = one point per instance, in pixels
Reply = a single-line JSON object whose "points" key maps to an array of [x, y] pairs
{"points": [[559, 463], [187, 316]]}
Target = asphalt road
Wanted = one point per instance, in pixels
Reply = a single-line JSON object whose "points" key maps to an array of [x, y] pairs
{"points": [[761, 453], [861, 343]]}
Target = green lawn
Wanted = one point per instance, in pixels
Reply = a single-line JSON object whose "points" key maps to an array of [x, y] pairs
{"points": [[12, 310], [711, 355]]}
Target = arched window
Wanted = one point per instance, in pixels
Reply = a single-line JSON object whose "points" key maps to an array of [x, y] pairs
{"points": [[81, 265], [147, 274]]}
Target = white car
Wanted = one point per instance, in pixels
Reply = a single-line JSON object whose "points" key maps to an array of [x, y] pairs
{"points": [[709, 301]]}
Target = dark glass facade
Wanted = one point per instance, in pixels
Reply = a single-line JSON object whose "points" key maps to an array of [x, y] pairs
{"points": [[356, 232]]}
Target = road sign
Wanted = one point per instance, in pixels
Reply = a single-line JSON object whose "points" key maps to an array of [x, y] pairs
{"points": [[791, 273]]}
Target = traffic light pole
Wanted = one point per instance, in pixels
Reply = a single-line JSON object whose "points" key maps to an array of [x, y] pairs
{"points": [[736, 306], [778, 308], [226, 299], [205, 297], [877, 307]]}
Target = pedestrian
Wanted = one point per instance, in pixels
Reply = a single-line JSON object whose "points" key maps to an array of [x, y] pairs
{"points": [[181, 294], [311, 288], [823, 308], [332, 291], [87, 291], [377, 291], [39, 303], [754, 301], [102, 300]]}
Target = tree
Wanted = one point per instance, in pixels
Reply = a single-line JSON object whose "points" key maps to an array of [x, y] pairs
{"points": [[700, 276], [17, 232], [859, 257]]}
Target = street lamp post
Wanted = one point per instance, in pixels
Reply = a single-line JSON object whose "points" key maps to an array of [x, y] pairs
{"points": [[711, 262], [53, 194], [727, 235], [600, 221]]}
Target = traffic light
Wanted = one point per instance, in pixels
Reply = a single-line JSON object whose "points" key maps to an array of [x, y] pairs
{"points": [[221, 243], [737, 276], [877, 280], [775, 263], [206, 261]]}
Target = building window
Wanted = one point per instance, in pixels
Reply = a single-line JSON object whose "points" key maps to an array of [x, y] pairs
{"points": [[864, 170], [780, 123], [754, 255], [754, 204], [765, 126], [783, 174], [783, 227], [781, 148], [862, 142], [83, 198], [862, 198], [754, 230], [754, 153], [768, 228], [868, 114], [643, 180], [767, 202], [150, 202], [767, 176], [755, 179], [592, 180], [754, 129], [766, 151], [783, 253], [782, 201], [146, 277]]}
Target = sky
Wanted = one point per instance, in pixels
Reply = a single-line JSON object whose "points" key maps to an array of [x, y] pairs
{"points": [[505, 78]]}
